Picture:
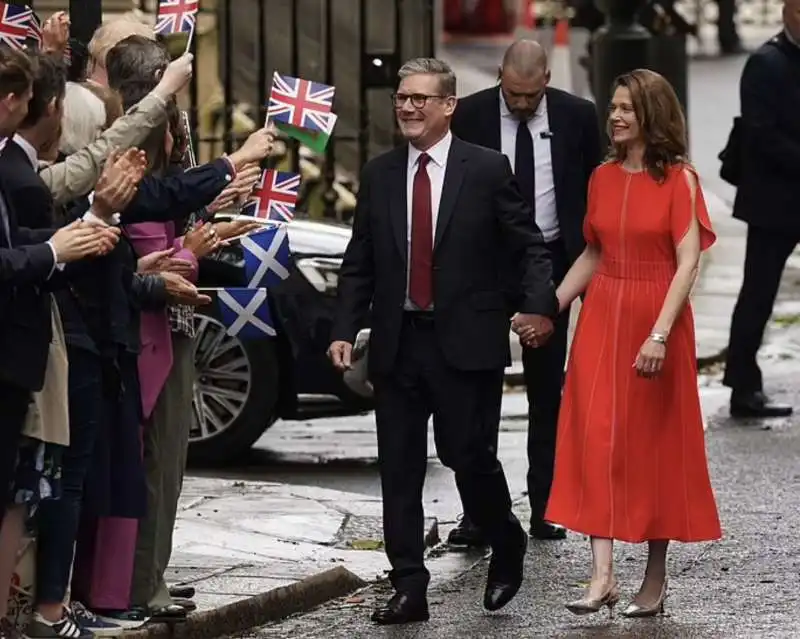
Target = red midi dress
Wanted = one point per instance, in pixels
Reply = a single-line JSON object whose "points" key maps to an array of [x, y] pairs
{"points": [[630, 454]]}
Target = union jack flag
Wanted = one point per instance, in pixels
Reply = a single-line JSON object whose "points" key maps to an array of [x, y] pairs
{"points": [[176, 16], [274, 196], [35, 28], [300, 103], [17, 24]]}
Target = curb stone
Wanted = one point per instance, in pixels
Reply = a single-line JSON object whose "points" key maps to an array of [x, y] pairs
{"points": [[259, 610]]}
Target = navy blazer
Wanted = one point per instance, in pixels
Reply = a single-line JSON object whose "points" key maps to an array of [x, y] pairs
{"points": [[25, 320]]}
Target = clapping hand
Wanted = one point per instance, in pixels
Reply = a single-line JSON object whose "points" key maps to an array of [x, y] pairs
{"points": [[201, 240], [118, 182], [79, 239], [55, 33], [533, 330], [162, 261]]}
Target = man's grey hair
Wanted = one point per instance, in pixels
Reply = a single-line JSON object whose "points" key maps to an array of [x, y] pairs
{"points": [[83, 120], [431, 66]]}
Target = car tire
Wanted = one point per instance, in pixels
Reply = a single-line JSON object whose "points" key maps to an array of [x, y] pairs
{"points": [[236, 393]]}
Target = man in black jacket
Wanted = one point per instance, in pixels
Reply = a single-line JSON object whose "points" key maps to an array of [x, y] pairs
{"points": [[434, 221], [767, 199], [28, 259], [553, 143]]}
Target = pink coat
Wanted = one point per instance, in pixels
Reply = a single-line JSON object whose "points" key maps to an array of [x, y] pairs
{"points": [[155, 360]]}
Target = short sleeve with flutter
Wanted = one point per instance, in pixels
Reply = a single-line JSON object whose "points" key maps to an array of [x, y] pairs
{"points": [[684, 205]]}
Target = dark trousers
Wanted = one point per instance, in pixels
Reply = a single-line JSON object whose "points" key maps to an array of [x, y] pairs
{"points": [[765, 258], [59, 519], [466, 416], [543, 370], [726, 23], [14, 402]]}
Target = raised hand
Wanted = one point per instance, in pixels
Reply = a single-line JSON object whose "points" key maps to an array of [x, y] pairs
{"points": [[238, 190], [257, 147], [175, 76], [117, 184], [55, 33]]}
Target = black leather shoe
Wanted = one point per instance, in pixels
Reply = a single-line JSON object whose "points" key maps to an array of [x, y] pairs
{"points": [[467, 534], [757, 405], [505, 571], [402, 608], [546, 531]]}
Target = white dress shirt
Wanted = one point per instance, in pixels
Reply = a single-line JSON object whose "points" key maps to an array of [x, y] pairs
{"points": [[545, 196], [436, 169]]}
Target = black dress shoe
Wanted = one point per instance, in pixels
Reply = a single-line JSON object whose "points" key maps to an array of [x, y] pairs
{"points": [[467, 534], [402, 608], [546, 531], [757, 405], [505, 571], [181, 592]]}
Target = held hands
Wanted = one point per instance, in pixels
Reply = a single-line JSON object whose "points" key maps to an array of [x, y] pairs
{"points": [[650, 359], [80, 239], [533, 330], [181, 291], [341, 353]]}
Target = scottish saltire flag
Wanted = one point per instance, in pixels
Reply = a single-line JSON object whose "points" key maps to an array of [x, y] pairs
{"points": [[16, 25], [274, 196], [176, 16], [300, 103], [245, 312], [266, 257]]}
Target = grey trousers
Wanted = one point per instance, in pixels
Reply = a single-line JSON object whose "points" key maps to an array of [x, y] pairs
{"points": [[166, 440]]}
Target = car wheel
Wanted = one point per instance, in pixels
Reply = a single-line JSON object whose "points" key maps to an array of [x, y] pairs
{"points": [[235, 392]]}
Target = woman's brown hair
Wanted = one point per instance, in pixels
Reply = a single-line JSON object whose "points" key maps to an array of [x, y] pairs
{"points": [[662, 123]]}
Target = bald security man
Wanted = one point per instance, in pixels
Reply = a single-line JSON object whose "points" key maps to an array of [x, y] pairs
{"points": [[552, 141]]}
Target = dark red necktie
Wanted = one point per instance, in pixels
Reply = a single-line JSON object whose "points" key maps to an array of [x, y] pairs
{"points": [[420, 279]]}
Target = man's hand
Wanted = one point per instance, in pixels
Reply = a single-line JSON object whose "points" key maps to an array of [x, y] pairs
{"points": [[175, 76], [55, 33], [79, 240], [341, 355], [533, 330], [201, 240], [257, 147], [118, 182], [162, 261], [181, 291], [235, 228]]}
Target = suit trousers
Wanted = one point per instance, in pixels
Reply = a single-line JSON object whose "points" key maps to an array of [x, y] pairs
{"points": [[166, 442], [14, 402], [543, 371], [765, 259], [465, 406]]}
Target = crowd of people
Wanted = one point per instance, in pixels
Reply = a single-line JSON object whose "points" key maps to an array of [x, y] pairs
{"points": [[100, 239]]}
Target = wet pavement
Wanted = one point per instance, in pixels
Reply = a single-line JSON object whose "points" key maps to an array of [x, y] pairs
{"points": [[746, 585]]}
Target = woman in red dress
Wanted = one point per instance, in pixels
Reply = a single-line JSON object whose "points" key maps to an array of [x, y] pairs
{"points": [[630, 458]]}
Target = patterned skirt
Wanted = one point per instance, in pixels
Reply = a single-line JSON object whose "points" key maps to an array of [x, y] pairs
{"points": [[38, 474]]}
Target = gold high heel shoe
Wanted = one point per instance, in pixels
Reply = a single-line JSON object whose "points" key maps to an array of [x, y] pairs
{"points": [[635, 611], [587, 606]]}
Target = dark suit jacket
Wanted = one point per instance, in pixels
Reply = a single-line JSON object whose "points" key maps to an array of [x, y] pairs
{"points": [[26, 328], [576, 149], [482, 217], [769, 190]]}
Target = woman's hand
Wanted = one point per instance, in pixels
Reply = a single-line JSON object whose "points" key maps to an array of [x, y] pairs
{"points": [[162, 261], [235, 228], [201, 240], [257, 147], [181, 291], [55, 33], [650, 359]]}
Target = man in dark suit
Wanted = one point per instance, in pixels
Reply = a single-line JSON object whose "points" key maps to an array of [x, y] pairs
{"points": [[28, 259], [767, 199], [553, 143], [434, 221]]}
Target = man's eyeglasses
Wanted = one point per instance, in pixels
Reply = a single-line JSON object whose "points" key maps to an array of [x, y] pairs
{"points": [[418, 100]]}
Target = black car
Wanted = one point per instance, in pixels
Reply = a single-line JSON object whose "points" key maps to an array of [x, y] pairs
{"points": [[242, 387]]}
